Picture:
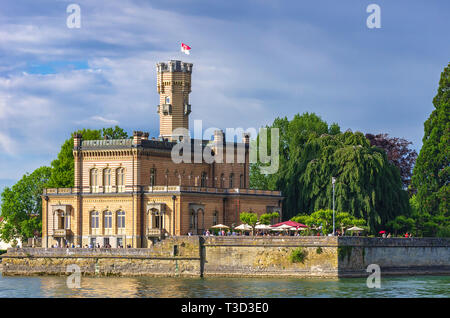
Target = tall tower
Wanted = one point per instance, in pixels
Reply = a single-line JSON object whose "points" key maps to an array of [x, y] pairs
{"points": [[174, 86]]}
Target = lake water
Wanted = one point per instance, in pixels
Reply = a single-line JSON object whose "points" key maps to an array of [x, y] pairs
{"points": [[50, 286]]}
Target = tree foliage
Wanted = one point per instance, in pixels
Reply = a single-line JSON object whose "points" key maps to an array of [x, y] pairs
{"points": [[431, 174], [249, 218], [63, 167], [114, 133], [398, 153], [312, 152], [324, 218], [267, 218], [22, 206]]}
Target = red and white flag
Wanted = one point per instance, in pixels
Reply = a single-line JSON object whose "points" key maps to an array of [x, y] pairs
{"points": [[185, 48]]}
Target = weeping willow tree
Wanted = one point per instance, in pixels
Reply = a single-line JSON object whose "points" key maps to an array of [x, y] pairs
{"points": [[368, 186]]}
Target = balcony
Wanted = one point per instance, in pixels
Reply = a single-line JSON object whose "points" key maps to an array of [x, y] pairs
{"points": [[166, 109], [153, 232], [61, 233], [187, 109]]}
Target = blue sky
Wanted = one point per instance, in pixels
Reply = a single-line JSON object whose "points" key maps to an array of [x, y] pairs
{"points": [[253, 61]]}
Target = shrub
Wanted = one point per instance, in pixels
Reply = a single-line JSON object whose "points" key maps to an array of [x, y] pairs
{"points": [[298, 255], [319, 250]]}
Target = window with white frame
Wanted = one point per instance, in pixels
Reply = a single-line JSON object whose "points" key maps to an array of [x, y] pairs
{"points": [[120, 180], [94, 180], [94, 220], [121, 219], [107, 180], [107, 223]]}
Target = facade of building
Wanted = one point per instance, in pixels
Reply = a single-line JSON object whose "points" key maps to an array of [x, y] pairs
{"points": [[129, 192]]}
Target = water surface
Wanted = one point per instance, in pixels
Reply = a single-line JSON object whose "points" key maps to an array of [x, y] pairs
{"points": [[51, 286]]}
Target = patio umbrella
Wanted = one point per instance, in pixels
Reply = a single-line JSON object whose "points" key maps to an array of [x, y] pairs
{"points": [[289, 223], [381, 232], [262, 227], [243, 227], [220, 226], [282, 227], [355, 228]]}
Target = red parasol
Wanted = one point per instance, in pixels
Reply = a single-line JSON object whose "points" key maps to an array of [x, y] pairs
{"points": [[290, 223]]}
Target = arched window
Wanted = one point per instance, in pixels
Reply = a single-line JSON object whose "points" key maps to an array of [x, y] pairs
{"points": [[121, 219], [155, 219], [94, 219], [192, 219], [107, 180], [107, 221], [203, 180], [120, 179], [231, 180], [167, 100], [152, 177], [94, 180], [241, 181]]}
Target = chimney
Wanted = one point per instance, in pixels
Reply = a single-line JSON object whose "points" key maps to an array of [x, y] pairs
{"points": [[137, 137], [77, 137], [246, 138], [219, 137]]}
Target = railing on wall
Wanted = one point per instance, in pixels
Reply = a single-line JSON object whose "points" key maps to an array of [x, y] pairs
{"points": [[159, 189]]}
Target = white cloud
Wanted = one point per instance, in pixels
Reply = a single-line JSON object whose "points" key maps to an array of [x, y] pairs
{"points": [[98, 119], [246, 72], [7, 144]]}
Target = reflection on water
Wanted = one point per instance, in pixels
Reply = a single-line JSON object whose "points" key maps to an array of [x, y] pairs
{"points": [[422, 286]]}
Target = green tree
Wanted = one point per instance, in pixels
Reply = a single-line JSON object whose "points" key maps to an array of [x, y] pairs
{"points": [[267, 218], [426, 224], [324, 218], [431, 174], [311, 152], [22, 206], [114, 133], [249, 218], [63, 167]]}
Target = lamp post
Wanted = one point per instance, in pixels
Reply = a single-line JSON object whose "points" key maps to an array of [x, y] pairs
{"points": [[333, 181]]}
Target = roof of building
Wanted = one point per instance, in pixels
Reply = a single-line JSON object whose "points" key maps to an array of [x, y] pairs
{"points": [[149, 144]]}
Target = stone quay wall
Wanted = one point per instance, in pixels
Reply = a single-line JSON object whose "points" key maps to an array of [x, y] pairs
{"points": [[270, 256], [177, 256], [395, 256], [243, 256]]}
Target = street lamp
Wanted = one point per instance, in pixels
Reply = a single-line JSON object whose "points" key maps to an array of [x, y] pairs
{"points": [[333, 181]]}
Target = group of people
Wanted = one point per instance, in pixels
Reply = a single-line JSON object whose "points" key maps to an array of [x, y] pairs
{"points": [[407, 235], [107, 245]]}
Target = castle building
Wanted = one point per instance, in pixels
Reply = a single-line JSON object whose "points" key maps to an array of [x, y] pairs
{"points": [[129, 192]]}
